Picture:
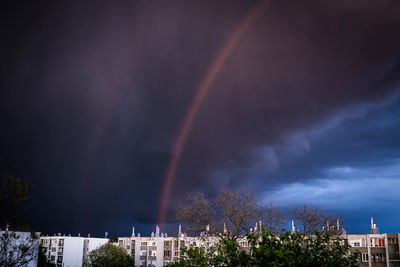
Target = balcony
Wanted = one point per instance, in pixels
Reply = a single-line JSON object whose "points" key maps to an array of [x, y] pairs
{"points": [[152, 248], [143, 258], [168, 258], [143, 247], [151, 258]]}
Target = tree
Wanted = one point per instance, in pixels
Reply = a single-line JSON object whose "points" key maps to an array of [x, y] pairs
{"points": [[13, 198], [43, 261], [230, 215], [18, 248], [108, 255], [314, 219], [268, 249], [273, 217]]}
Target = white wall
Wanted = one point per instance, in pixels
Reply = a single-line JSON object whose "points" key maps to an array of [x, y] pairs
{"points": [[73, 251]]}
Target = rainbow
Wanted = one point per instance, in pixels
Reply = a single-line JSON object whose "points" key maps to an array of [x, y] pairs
{"points": [[200, 94]]}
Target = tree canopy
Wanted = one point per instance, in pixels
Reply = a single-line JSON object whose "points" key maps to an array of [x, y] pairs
{"points": [[267, 249], [108, 255]]}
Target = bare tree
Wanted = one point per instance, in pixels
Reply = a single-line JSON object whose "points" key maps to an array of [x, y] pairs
{"points": [[195, 212], [313, 219], [273, 217], [239, 211], [231, 214]]}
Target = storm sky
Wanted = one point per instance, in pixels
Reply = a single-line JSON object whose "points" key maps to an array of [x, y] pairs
{"points": [[305, 109]]}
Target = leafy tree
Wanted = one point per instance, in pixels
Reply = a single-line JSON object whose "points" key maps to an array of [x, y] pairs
{"points": [[108, 255], [13, 198], [17, 249], [43, 261], [268, 249]]}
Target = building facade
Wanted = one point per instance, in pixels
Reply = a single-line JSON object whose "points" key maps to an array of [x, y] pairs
{"points": [[69, 251], [377, 250], [159, 249]]}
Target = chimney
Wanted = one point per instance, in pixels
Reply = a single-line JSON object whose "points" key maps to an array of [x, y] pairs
{"points": [[374, 229], [208, 228], [225, 231], [88, 235], [133, 231], [180, 230], [157, 231], [105, 234], [293, 228]]}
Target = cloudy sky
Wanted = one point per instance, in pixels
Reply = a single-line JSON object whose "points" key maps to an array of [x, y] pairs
{"points": [[304, 109]]}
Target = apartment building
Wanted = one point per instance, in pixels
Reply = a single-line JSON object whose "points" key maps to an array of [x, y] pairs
{"points": [[69, 251], [377, 250], [159, 249]]}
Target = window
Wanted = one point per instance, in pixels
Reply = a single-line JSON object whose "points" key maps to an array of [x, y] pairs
{"points": [[61, 242], [53, 249], [167, 253], [243, 244], [356, 244], [143, 244], [53, 258], [364, 243], [121, 243], [153, 243], [143, 253], [167, 243], [364, 257], [176, 254], [152, 253]]}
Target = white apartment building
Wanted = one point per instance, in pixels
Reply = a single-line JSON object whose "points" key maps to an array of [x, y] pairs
{"points": [[69, 251], [159, 249], [377, 250]]}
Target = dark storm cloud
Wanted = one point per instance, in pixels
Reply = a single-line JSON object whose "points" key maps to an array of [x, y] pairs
{"points": [[352, 169], [93, 95], [297, 67]]}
